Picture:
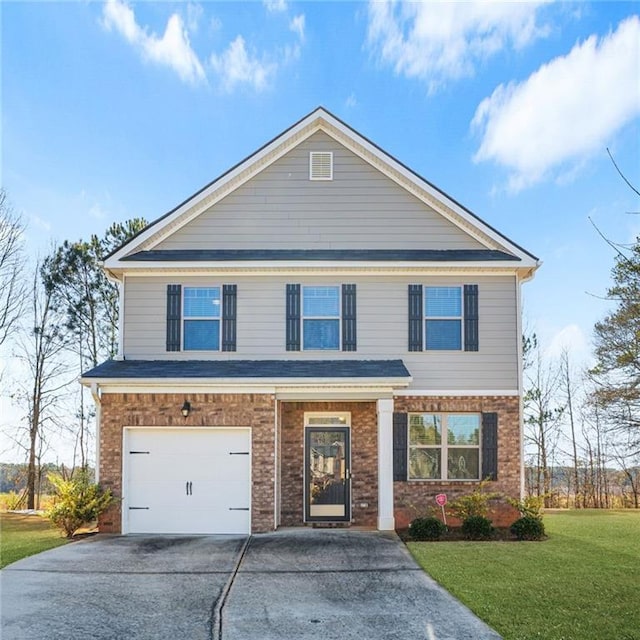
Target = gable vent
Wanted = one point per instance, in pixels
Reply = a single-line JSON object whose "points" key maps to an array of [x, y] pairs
{"points": [[321, 165]]}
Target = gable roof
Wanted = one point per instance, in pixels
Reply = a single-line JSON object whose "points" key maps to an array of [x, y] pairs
{"points": [[140, 248]]}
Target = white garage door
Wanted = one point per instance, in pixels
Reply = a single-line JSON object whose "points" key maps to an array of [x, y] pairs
{"points": [[187, 481]]}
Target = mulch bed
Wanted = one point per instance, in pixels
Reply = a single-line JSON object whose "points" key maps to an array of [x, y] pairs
{"points": [[454, 534]]}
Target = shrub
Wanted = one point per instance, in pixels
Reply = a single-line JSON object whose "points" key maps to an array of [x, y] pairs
{"points": [[429, 528], [528, 528], [529, 506], [76, 502], [477, 528], [473, 504]]}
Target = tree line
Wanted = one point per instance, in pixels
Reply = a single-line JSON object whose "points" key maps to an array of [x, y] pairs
{"points": [[586, 423], [60, 317]]}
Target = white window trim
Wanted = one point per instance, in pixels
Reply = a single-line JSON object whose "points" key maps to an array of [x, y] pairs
{"points": [[183, 319], [303, 317], [444, 447], [425, 317]]}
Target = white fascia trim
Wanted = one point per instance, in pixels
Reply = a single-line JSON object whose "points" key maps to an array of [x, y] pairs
{"points": [[291, 267], [246, 385], [436, 198], [456, 392], [360, 394], [221, 187]]}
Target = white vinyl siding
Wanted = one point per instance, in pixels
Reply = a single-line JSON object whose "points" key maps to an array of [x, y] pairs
{"points": [[382, 327], [359, 208]]}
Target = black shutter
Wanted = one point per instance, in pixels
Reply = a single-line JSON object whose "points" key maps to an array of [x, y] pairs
{"points": [[229, 296], [174, 313], [415, 317], [470, 317], [293, 317], [400, 452], [349, 317], [490, 446]]}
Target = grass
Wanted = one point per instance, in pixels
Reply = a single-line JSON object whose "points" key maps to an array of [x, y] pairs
{"points": [[581, 583], [25, 535]]}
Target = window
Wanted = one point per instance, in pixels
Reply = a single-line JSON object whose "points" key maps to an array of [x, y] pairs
{"points": [[444, 446], [201, 318], [443, 318], [321, 317]]}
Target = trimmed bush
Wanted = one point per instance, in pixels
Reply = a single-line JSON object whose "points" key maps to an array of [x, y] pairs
{"points": [[528, 528], [477, 528], [429, 528]]}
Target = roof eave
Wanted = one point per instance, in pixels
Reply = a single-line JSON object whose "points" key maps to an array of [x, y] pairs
{"points": [[302, 383]]}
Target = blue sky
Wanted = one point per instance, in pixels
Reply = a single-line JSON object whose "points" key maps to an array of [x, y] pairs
{"points": [[115, 110]]}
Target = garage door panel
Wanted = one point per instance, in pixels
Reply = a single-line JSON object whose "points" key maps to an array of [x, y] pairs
{"points": [[188, 481], [189, 522]]}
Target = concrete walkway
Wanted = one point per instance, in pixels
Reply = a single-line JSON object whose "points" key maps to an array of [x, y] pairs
{"points": [[295, 584]]}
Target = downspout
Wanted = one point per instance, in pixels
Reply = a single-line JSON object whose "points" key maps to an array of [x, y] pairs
{"points": [[276, 469], [520, 281], [95, 392]]}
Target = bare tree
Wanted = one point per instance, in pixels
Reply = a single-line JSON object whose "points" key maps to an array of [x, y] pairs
{"points": [[12, 261], [40, 350], [542, 414], [566, 375]]}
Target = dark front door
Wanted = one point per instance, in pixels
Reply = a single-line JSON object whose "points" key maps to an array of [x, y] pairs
{"points": [[327, 474]]}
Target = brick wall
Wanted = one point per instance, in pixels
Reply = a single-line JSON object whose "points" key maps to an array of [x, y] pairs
{"points": [[415, 498], [364, 459], [207, 410]]}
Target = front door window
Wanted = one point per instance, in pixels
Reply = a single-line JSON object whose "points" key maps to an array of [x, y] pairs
{"points": [[327, 474]]}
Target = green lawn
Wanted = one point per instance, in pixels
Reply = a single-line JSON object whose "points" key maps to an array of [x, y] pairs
{"points": [[26, 535], [582, 583]]}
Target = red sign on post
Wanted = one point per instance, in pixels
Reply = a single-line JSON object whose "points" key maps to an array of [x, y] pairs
{"points": [[441, 500]]}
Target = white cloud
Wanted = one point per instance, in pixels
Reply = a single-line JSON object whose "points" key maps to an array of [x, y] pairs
{"points": [[565, 111], [194, 15], [351, 101], [439, 41], [297, 26], [172, 50], [275, 5], [237, 66], [571, 339]]}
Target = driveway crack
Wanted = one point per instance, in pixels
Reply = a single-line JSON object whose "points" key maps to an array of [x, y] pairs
{"points": [[215, 621]]}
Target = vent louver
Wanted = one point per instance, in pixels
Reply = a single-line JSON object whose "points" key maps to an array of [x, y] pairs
{"points": [[321, 165]]}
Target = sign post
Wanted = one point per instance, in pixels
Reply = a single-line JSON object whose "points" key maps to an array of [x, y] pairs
{"points": [[441, 499]]}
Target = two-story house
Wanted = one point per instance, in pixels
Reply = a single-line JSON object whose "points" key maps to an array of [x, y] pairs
{"points": [[318, 336]]}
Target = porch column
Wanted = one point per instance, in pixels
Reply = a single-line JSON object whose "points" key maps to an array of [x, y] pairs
{"points": [[386, 521]]}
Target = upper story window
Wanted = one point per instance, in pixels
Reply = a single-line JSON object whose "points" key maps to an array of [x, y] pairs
{"points": [[321, 317], [444, 446], [443, 318], [201, 319]]}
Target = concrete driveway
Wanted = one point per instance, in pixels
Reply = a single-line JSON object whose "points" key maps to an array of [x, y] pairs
{"points": [[295, 584]]}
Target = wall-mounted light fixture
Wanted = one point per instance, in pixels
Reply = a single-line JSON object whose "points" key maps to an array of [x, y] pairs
{"points": [[186, 409]]}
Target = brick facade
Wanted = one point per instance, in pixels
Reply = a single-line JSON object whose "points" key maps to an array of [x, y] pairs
{"points": [[207, 410], [364, 460], [257, 411], [416, 497]]}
